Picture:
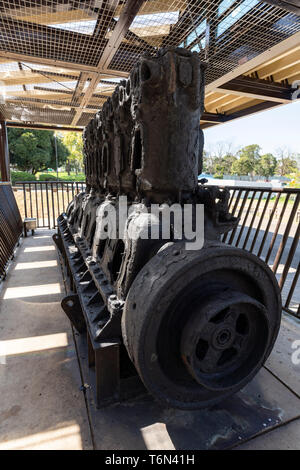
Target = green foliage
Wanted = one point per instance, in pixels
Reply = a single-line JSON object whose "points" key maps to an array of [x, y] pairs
{"points": [[61, 177], [223, 165], [208, 163], [21, 176], [47, 177], [252, 152], [62, 153], [249, 161], [72, 177], [285, 166], [295, 179], [34, 150], [73, 142], [267, 165]]}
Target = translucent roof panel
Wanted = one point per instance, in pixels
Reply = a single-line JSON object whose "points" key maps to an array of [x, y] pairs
{"points": [[235, 15], [54, 53], [83, 27]]}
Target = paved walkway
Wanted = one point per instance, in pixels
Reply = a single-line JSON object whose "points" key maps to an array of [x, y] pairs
{"points": [[44, 406], [41, 404]]}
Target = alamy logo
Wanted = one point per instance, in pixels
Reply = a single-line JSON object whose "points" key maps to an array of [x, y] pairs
{"points": [[166, 222], [296, 93], [296, 353]]}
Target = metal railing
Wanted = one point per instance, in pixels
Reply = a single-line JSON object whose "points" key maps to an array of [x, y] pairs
{"points": [[10, 226], [269, 224], [269, 227], [45, 200]]}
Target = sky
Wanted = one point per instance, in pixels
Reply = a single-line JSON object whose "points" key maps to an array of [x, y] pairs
{"points": [[273, 129]]}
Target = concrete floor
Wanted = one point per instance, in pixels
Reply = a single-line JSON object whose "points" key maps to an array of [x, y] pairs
{"points": [[41, 404], [43, 367]]}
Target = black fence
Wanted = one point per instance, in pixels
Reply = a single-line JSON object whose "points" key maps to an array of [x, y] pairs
{"points": [[10, 226], [269, 227], [45, 201], [269, 224]]}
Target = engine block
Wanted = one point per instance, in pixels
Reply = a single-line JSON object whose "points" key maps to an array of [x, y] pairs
{"points": [[192, 325]]}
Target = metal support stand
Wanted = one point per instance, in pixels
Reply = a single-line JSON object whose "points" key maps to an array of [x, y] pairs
{"points": [[113, 377], [105, 358]]}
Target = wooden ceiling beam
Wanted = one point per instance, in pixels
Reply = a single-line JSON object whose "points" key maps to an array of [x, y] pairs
{"points": [[98, 92], [228, 107], [252, 64], [280, 64], [36, 94], [126, 18], [51, 104], [226, 101], [244, 103], [258, 89], [214, 98], [43, 126], [12, 56], [156, 6], [29, 80], [288, 73], [80, 86], [39, 16], [274, 59], [16, 77]]}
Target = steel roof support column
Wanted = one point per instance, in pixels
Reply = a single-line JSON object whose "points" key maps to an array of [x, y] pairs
{"points": [[4, 155]]}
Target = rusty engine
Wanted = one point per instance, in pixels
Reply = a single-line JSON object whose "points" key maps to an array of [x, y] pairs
{"points": [[190, 326]]}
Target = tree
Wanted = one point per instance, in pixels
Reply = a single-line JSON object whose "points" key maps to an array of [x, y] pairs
{"points": [[73, 142], [248, 161], [266, 165], [285, 166], [295, 179], [286, 162], [34, 150], [221, 148], [218, 158], [242, 166], [208, 163], [222, 166]]}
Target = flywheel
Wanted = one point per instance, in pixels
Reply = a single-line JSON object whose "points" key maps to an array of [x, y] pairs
{"points": [[198, 325]]}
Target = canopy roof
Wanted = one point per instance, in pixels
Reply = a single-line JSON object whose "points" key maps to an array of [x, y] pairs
{"points": [[60, 59]]}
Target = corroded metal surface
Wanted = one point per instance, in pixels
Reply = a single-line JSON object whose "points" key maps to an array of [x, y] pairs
{"points": [[195, 324]]}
